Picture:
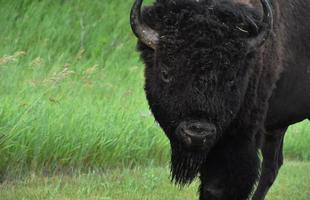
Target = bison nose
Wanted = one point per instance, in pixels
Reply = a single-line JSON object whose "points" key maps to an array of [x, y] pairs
{"points": [[196, 135]]}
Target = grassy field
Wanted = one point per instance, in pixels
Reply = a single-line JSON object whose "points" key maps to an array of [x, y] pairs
{"points": [[71, 97], [71, 88], [149, 183]]}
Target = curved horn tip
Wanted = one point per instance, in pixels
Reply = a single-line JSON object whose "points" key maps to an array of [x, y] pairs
{"points": [[143, 32], [265, 31]]}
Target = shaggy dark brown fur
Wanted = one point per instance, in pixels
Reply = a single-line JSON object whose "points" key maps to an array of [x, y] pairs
{"points": [[203, 69]]}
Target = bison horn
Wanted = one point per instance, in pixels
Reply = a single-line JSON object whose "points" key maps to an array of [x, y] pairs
{"points": [[143, 32], [264, 32]]}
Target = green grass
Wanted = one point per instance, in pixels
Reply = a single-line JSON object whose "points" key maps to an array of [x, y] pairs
{"points": [[71, 90], [149, 183], [297, 141]]}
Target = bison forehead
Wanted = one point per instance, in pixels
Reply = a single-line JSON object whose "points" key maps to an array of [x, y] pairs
{"points": [[204, 25], [194, 59], [184, 15]]}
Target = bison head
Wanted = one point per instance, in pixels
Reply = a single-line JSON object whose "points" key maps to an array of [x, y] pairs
{"points": [[199, 60]]}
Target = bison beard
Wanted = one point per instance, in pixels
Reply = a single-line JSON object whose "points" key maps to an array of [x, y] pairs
{"points": [[185, 165]]}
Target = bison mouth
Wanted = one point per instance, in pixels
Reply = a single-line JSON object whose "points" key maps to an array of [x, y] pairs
{"points": [[194, 139]]}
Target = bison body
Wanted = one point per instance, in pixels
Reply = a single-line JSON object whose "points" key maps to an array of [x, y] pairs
{"points": [[222, 76], [290, 102]]}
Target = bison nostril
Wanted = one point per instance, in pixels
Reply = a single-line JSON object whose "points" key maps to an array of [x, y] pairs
{"points": [[185, 137], [212, 130], [204, 141], [188, 140]]}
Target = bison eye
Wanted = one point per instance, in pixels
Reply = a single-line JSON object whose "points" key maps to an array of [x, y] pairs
{"points": [[231, 84], [165, 76]]}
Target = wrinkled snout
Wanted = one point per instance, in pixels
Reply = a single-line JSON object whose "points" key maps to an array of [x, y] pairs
{"points": [[196, 135]]}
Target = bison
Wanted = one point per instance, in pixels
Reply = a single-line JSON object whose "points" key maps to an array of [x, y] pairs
{"points": [[224, 79]]}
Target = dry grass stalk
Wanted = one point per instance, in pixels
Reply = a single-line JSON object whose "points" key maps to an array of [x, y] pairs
{"points": [[11, 58], [59, 77]]}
